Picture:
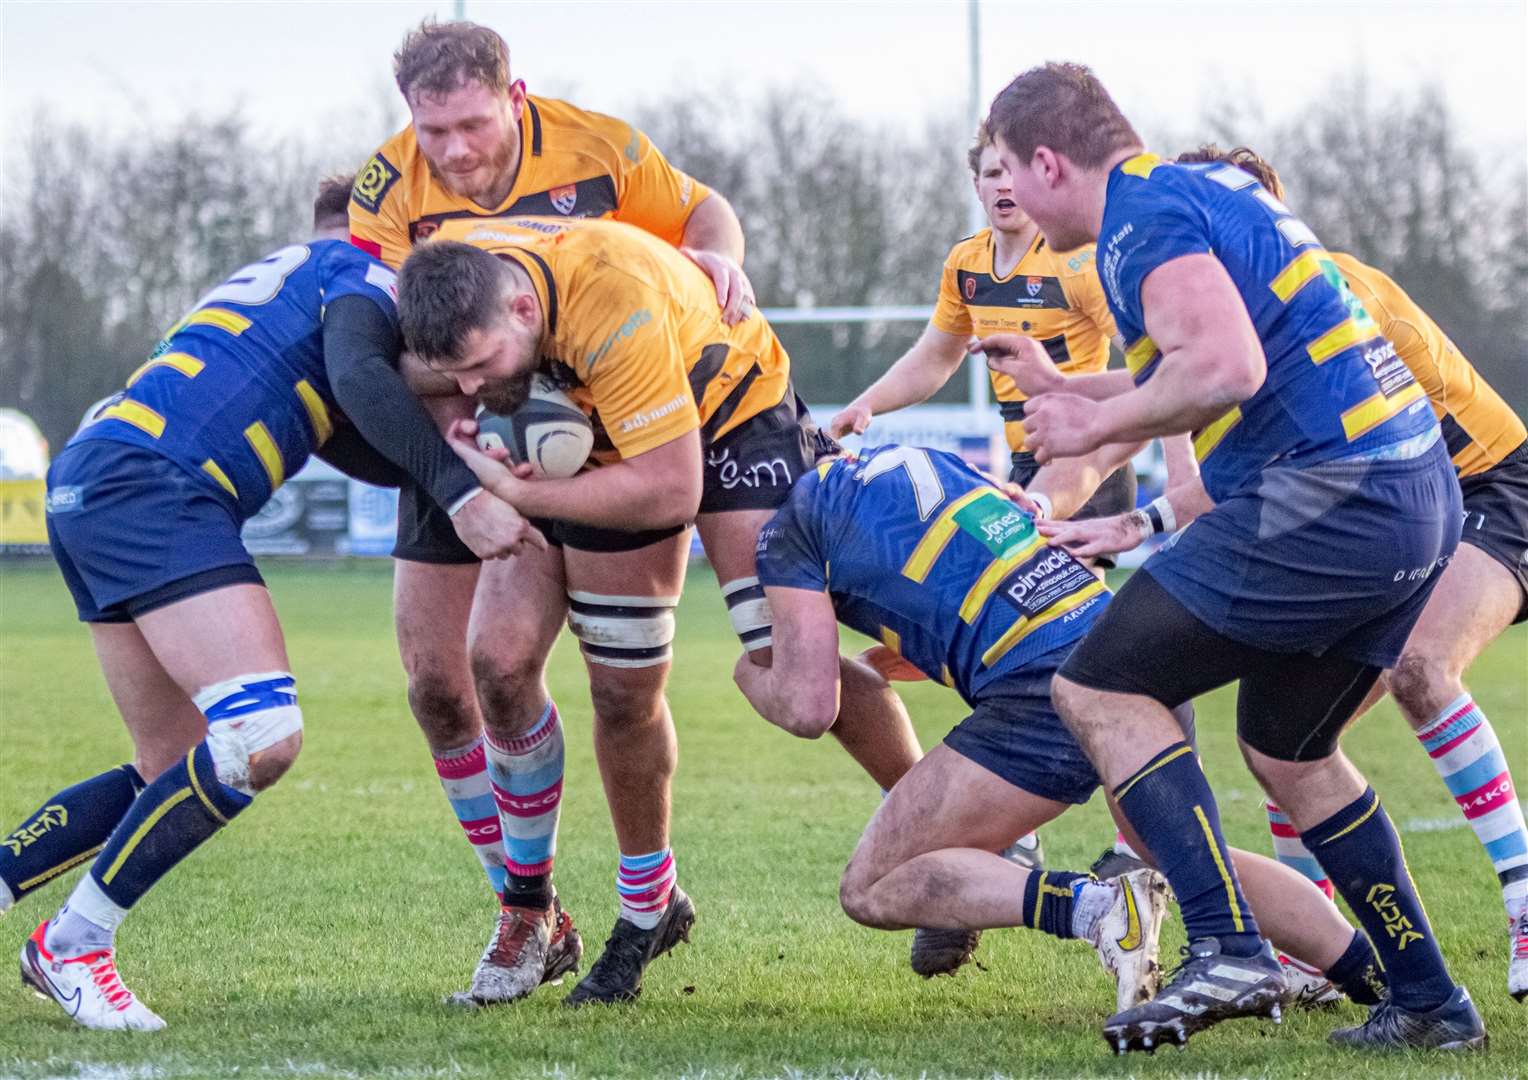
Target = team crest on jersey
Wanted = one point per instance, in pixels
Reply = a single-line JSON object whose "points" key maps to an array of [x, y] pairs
{"points": [[1034, 285], [969, 288], [423, 230], [564, 198], [373, 182]]}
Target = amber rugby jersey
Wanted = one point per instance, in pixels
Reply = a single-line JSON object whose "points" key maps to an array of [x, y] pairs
{"points": [[634, 326], [1479, 427], [573, 163], [1054, 298]]}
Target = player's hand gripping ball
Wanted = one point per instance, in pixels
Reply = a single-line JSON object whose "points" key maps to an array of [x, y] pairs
{"points": [[548, 432]]}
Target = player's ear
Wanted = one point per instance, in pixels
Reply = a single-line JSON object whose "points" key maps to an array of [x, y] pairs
{"points": [[1046, 164], [523, 308]]}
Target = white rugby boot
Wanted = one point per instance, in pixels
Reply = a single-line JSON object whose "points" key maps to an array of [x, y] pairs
{"points": [[87, 987], [1126, 935], [1306, 987]]}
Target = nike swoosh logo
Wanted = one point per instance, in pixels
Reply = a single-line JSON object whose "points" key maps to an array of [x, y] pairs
{"points": [[1132, 938], [70, 1003]]}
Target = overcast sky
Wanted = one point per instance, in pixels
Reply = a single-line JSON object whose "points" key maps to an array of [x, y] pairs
{"points": [[297, 67]]}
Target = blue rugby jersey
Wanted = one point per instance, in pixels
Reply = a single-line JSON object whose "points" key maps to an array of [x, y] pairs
{"points": [[236, 392], [922, 553], [1335, 386]]}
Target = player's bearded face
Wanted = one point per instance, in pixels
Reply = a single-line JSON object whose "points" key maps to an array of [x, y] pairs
{"points": [[470, 138], [504, 396]]}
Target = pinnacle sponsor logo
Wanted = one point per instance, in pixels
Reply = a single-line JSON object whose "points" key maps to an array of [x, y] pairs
{"points": [[1038, 571], [1382, 899], [634, 322], [52, 816]]}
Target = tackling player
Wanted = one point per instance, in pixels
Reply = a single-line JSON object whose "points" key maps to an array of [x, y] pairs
{"points": [[144, 510], [1335, 506], [474, 636], [694, 420], [917, 550], [1483, 590]]}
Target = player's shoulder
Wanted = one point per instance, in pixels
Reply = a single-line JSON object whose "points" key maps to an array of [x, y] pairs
{"points": [[389, 165], [1080, 262], [562, 128], [1369, 279], [969, 252]]}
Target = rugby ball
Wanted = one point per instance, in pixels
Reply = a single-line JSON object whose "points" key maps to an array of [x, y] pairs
{"points": [[549, 432]]}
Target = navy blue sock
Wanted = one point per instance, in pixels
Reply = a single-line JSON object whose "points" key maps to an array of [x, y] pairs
{"points": [[171, 818], [1048, 900], [1361, 854], [66, 829], [1170, 805], [1356, 972]]}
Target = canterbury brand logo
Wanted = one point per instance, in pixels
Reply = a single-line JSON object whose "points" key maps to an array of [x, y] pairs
{"points": [[1382, 899], [1132, 938], [49, 817]]}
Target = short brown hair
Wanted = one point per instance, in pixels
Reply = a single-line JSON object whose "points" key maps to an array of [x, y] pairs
{"points": [[333, 199], [446, 290], [981, 142], [1244, 158], [437, 58], [1064, 107]]}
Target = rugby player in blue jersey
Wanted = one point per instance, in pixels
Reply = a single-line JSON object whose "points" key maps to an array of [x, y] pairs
{"points": [[144, 511], [917, 550], [1335, 507]]}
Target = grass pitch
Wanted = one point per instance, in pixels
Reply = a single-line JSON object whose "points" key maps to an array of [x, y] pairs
{"points": [[318, 935]]}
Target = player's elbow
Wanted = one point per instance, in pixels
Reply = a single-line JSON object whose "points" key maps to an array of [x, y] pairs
{"points": [[810, 709], [1234, 376], [672, 504]]}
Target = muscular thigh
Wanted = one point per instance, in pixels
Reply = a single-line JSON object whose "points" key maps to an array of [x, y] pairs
{"points": [[948, 801], [518, 608], [622, 611], [161, 719], [1474, 602], [432, 603]]}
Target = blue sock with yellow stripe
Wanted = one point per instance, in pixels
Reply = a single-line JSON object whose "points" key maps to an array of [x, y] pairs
{"points": [[66, 829], [171, 818], [1048, 899], [1170, 805], [1361, 853]]}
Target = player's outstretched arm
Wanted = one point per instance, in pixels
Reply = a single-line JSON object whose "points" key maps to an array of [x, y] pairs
{"points": [[1123, 532], [915, 377], [799, 690]]}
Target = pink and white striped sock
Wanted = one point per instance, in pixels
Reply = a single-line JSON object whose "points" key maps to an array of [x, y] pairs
{"points": [[1465, 751], [1289, 850], [464, 776], [526, 774], [643, 883]]}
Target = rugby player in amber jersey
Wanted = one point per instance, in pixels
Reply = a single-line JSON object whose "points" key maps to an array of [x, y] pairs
{"points": [[695, 419], [1483, 590], [1237, 334], [474, 636]]}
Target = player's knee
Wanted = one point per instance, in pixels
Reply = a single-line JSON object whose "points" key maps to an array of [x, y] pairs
{"points": [[444, 709], [623, 633], [622, 701], [254, 728], [855, 895], [1422, 684], [272, 763], [748, 611], [504, 685]]}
